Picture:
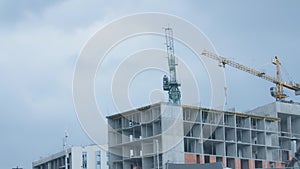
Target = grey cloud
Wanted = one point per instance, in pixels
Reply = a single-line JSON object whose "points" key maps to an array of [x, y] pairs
{"points": [[12, 11], [38, 55]]}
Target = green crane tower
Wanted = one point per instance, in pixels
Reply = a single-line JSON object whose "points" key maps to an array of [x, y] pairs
{"points": [[170, 83]]}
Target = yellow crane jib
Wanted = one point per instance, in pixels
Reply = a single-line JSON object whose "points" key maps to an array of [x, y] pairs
{"points": [[276, 92]]}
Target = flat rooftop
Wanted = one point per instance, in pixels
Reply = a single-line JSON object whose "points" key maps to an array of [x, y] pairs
{"points": [[245, 114]]}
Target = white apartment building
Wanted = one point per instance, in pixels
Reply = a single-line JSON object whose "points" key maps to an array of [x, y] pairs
{"points": [[77, 157]]}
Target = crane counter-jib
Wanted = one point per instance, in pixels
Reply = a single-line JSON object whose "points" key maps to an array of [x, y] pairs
{"points": [[295, 88]]}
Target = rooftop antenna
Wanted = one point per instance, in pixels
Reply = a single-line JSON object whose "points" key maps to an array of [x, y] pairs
{"points": [[170, 83], [65, 144], [65, 140]]}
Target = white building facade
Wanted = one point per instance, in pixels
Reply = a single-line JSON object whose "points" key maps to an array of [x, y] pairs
{"points": [[77, 157]]}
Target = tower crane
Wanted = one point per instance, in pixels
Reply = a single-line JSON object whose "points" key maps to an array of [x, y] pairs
{"points": [[276, 92], [170, 83]]}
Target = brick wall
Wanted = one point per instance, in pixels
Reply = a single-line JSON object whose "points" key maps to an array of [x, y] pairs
{"points": [[251, 164], [224, 162], [212, 159], [265, 164], [279, 165], [190, 159], [237, 163]]}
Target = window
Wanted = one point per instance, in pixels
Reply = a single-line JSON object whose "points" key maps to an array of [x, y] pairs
{"points": [[239, 135], [98, 159], [198, 158], [204, 117], [206, 159], [227, 120], [84, 160], [272, 164], [238, 121], [258, 164], [107, 157], [253, 123]]}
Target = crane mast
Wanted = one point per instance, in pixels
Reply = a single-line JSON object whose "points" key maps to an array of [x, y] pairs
{"points": [[170, 83], [277, 92]]}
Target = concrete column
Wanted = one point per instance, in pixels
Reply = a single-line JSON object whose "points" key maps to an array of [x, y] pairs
{"points": [[293, 146], [289, 124]]}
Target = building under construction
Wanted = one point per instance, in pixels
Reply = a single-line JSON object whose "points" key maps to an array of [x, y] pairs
{"points": [[157, 135], [170, 133]]}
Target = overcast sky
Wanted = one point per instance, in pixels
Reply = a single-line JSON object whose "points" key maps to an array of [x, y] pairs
{"points": [[41, 40]]}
